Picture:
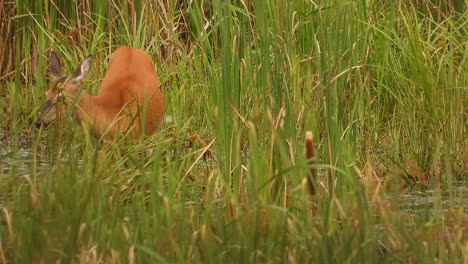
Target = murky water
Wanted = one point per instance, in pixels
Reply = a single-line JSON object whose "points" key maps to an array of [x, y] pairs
{"points": [[432, 201], [21, 162], [24, 162]]}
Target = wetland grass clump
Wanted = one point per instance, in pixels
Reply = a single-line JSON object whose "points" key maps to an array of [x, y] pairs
{"points": [[382, 87]]}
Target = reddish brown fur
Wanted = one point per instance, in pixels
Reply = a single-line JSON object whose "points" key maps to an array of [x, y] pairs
{"points": [[129, 88], [129, 82]]}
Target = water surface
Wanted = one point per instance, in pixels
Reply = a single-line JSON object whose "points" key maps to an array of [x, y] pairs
{"points": [[23, 162]]}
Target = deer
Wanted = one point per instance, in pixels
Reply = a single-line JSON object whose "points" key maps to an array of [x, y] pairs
{"points": [[129, 98]]}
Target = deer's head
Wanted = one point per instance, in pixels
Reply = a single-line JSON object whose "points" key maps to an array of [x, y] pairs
{"points": [[62, 87]]}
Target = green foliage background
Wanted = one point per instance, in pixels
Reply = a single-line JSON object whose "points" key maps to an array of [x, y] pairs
{"points": [[382, 85]]}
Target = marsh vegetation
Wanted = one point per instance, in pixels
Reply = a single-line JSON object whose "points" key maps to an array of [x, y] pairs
{"points": [[382, 86]]}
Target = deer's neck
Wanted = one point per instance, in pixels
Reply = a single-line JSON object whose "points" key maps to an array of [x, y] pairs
{"points": [[99, 113]]}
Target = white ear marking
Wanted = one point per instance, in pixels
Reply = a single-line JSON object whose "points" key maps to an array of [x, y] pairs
{"points": [[82, 72], [85, 67]]}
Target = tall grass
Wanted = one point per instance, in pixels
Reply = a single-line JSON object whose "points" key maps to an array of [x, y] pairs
{"points": [[381, 86]]}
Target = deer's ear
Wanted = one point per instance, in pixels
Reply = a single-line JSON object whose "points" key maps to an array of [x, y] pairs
{"points": [[83, 70], [55, 66]]}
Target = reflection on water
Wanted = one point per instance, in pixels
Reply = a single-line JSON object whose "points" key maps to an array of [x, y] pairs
{"points": [[24, 162], [18, 163], [21, 162], [422, 202]]}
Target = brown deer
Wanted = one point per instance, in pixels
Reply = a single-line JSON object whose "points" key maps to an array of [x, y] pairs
{"points": [[129, 97]]}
